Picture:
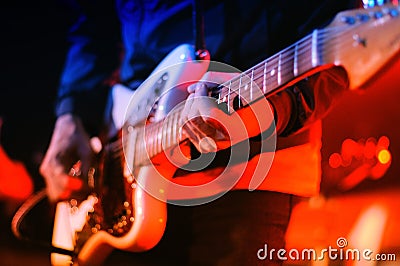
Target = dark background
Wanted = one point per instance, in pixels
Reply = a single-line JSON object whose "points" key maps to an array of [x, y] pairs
{"points": [[32, 49]]}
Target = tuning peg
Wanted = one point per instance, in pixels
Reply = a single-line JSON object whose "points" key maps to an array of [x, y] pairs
{"points": [[393, 12], [378, 14], [349, 20], [362, 17]]}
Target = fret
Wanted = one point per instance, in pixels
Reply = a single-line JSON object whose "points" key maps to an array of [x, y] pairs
{"points": [[239, 94], [163, 133], [143, 149], [295, 62], [314, 50], [176, 127], [251, 84], [145, 144], [223, 92], [260, 81], [136, 148], [243, 90], [168, 131], [162, 137], [139, 148], [156, 139], [173, 127], [152, 140], [148, 139], [287, 64], [229, 96], [305, 55], [129, 150], [158, 145], [279, 77], [271, 72], [264, 86]]}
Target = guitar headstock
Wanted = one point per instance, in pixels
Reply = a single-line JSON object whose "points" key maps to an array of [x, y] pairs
{"points": [[362, 41], [360, 16]]}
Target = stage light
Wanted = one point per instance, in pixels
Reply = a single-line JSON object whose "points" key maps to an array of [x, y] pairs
{"points": [[384, 156], [335, 160]]}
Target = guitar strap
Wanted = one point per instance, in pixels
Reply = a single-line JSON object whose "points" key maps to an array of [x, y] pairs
{"points": [[198, 25], [234, 31], [232, 37]]}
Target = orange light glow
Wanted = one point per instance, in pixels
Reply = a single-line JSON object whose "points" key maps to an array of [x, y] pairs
{"points": [[370, 148], [384, 142], [15, 181], [384, 156], [367, 232], [335, 160]]}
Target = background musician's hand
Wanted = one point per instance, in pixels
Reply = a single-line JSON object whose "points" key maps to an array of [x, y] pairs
{"points": [[69, 144]]}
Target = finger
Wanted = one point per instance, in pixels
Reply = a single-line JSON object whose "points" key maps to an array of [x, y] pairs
{"points": [[200, 86], [196, 136], [192, 88], [201, 89], [61, 180], [200, 106], [205, 116], [202, 127], [211, 133], [184, 117], [87, 159], [56, 181]]}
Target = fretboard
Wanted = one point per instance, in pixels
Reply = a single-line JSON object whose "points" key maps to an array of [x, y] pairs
{"points": [[272, 73], [157, 137]]}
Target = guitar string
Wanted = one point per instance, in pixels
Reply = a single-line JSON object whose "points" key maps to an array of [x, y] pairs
{"points": [[330, 45], [301, 44]]}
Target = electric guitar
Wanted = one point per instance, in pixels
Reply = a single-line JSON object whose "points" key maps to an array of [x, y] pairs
{"points": [[127, 209]]}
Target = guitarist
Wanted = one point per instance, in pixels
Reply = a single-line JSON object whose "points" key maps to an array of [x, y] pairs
{"points": [[231, 229]]}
